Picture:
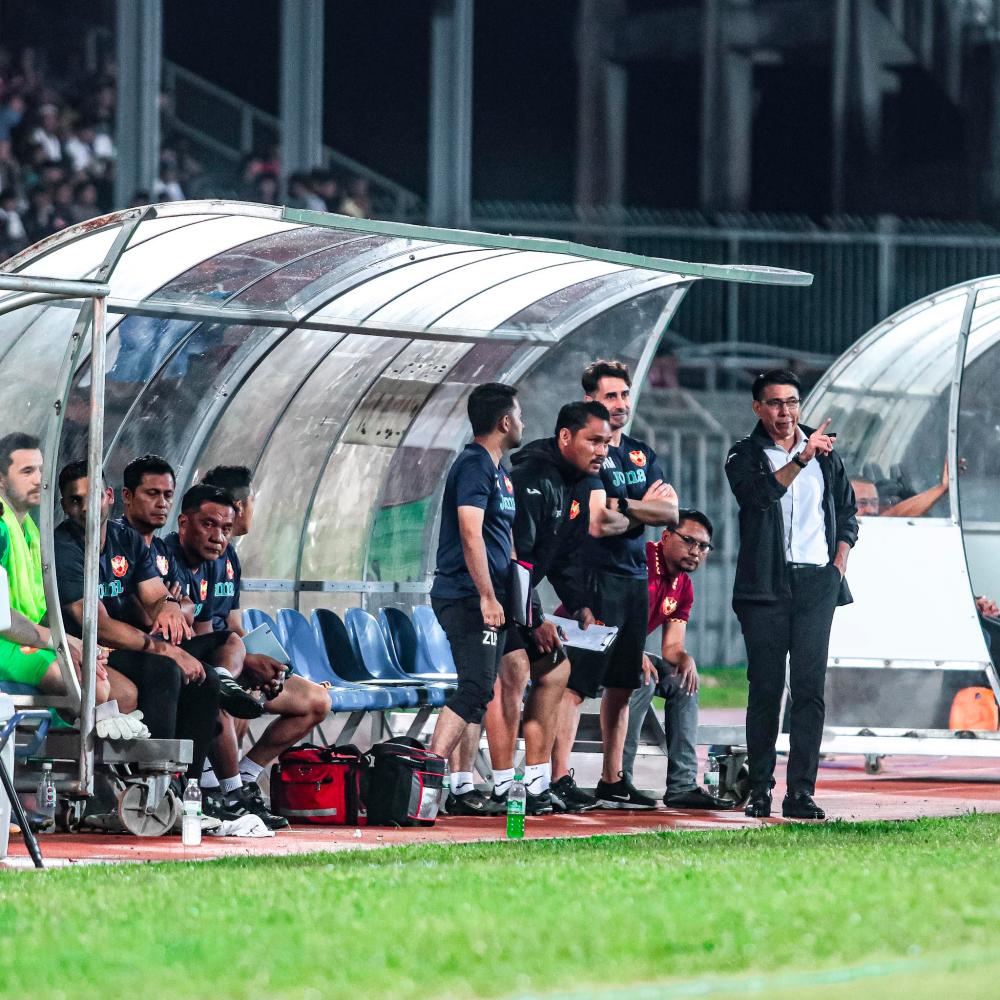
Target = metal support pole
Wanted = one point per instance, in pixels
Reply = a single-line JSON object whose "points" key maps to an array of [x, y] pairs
{"points": [[710, 69], [139, 43], [838, 102], [92, 544], [449, 181], [301, 96]]}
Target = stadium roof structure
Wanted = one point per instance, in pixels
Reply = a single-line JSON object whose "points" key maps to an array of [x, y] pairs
{"points": [[915, 407], [331, 355]]}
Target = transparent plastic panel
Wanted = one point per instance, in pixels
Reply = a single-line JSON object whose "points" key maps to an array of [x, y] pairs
{"points": [[343, 512], [78, 259], [297, 451], [257, 404], [30, 364], [149, 266], [151, 228], [491, 308], [889, 407], [979, 446], [220, 277], [431, 300], [368, 298]]}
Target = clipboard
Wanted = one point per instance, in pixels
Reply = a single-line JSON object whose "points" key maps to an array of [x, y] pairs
{"points": [[596, 638], [518, 602], [264, 642]]}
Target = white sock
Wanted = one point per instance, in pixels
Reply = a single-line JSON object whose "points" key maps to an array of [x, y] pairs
{"points": [[534, 778], [224, 672], [503, 778], [461, 782], [208, 778], [547, 781], [250, 769], [228, 785]]}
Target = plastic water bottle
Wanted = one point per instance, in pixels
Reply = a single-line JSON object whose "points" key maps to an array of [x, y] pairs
{"points": [[191, 819], [45, 797], [712, 776], [516, 801]]}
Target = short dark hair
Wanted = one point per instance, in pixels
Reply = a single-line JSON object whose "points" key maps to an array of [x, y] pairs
{"points": [[574, 416], [690, 514], [776, 376], [488, 405], [204, 493], [15, 441], [70, 473], [602, 368], [233, 479], [146, 465], [866, 480]]}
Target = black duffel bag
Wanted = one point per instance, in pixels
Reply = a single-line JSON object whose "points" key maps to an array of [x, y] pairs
{"points": [[405, 784]]}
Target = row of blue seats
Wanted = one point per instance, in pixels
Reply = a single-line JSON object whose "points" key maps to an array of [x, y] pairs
{"points": [[370, 664]]}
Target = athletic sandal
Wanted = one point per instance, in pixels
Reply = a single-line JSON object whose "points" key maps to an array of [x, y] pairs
{"points": [[696, 798], [248, 798], [571, 795], [622, 794], [237, 701], [474, 803]]}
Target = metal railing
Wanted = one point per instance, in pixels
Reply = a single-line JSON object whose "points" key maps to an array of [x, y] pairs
{"points": [[232, 129]]}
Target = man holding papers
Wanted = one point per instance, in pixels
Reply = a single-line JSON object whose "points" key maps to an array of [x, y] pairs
{"points": [[550, 524]]}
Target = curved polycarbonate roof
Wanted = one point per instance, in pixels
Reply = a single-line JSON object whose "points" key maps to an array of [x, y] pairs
{"points": [[919, 392], [331, 355]]}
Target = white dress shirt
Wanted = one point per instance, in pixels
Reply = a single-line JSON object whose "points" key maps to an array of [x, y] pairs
{"points": [[802, 507]]}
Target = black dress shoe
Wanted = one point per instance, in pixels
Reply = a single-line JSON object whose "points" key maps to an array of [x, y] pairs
{"points": [[759, 805], [696, 798], [801, 806]]}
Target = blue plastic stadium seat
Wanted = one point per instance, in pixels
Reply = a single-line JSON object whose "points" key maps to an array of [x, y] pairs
{"points": [[432, 643], [310, 661], [408, 653], [12, 687], [332, 634], [252, 618], [371, 649]]}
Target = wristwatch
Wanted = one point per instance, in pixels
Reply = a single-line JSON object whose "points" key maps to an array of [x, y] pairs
{"points": [[798, 461], [171, 599]]}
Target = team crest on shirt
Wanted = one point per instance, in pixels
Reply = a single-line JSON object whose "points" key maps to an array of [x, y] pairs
{"points": [[162, 565], [637, 457], [669, 606], [574, 509], [119, 565], [230, 572], [508, 484], [203, 590]]}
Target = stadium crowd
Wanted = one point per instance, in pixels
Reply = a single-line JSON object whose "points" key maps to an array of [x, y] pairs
{"points": [[58, 157]]}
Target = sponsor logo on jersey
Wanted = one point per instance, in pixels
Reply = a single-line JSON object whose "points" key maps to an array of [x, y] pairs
{"points": [[637, 457], [203, 590], [574, 510], [669, 606], [119, 565], [163, 565], [28, 650], [631, 478], [230, 572], [113, 589], [223, 589]]}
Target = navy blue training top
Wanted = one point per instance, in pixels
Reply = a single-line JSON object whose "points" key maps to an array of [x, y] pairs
{"points": [[226, 576], [125, 563], [628, 471], [474, 481], [196, 582]]}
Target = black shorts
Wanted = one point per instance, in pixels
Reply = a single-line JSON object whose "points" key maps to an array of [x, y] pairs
{"points": [[621, 601], [519, 637], [477, 651]]}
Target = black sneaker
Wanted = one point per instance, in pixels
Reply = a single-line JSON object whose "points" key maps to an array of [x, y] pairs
{"points": [[237, 701], [621, 794], [696, 798], [248, 799], [538, 805], [572, 795], [212, 805], [474, 803]]}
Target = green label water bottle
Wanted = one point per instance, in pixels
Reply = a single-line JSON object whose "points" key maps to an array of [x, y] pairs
{"points": [[516, 800]]}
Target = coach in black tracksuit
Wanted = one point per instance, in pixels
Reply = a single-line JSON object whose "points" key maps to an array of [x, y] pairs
{"points": [[797, 527]]}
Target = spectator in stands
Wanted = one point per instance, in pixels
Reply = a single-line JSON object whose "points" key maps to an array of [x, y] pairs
{"points": [[12, 234], [670, 561], [325, 187], [552, 481], [265, 189], [299, 704], [29, 661], [167, 187], [357, 202], [178, 698], [84, 205], [301, 195], [11, 175], [87, 149], [11, 115], [46, 132]]}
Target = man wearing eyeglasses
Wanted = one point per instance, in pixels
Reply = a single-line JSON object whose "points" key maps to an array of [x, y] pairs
{"points": [[670, 561], [798, 523]]}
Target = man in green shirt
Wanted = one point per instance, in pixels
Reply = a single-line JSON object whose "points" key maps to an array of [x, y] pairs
{"points": [[20, 557]]}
